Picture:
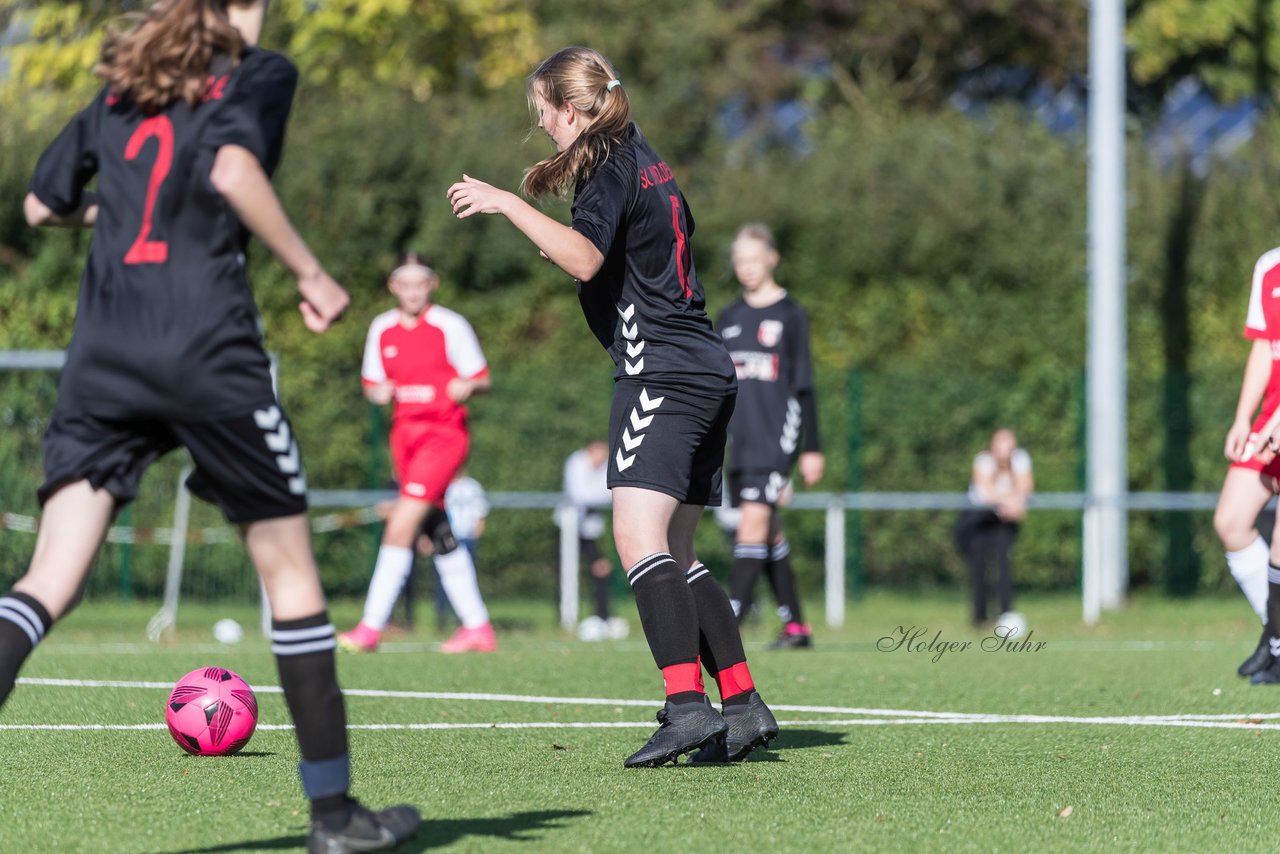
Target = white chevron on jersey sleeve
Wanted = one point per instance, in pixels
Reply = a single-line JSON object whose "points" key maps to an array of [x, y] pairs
{"points": [[372, 370], [461, 346]]}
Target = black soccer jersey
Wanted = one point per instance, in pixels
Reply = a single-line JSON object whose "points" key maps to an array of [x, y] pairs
{"points": [[646, 305], [770, 351], [166, 324]]}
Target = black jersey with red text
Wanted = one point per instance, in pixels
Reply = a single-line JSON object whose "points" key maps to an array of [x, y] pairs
{"points": [[166, 324], [770, 351], [646, 304]]}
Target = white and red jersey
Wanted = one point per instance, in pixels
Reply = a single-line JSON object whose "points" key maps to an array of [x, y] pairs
{"points": [[421, 360], [1263, 320]]}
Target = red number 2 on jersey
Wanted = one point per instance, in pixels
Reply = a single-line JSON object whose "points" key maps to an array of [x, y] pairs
{"points": [[682, 247], [145, 250]]}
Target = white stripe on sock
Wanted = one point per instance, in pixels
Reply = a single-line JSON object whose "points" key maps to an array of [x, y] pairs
{"points": [[695, 572], [21, 622], [644, 565], [25, 610], [293, 635], [304, 648]]}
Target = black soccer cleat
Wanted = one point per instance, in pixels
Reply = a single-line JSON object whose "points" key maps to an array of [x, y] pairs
{"points": [[682, 728], [365, 830], [792, 640], [1269, 675], [751, 725], [1260, 659]]}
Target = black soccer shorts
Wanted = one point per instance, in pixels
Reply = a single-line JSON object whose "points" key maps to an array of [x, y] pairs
{"points": [[761, 486], [247, 465], [665, 439]]}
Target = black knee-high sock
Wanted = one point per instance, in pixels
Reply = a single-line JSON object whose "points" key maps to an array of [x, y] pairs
{"points": [[748, 563], [669, 616], [304, 651], [783, 580], [23, 623], [602, 596], [720, 641]]}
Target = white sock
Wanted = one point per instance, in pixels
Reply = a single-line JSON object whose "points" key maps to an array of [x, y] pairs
{"points": [[1249, 568], [458, 575], [389, 573]]}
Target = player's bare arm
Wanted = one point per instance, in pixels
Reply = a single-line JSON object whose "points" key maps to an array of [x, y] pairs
{"points": [[559, 243], [239, 178], [812, 465], [380, 393], [1257, 373], [40, 215], [462, 388]]}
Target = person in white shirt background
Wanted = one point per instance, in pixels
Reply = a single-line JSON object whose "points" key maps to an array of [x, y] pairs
{"points": [[1001, 485], [585, 473]]}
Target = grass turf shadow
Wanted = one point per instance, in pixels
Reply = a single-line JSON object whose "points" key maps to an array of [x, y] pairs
{"points": [[434, 833], [796, 739]]}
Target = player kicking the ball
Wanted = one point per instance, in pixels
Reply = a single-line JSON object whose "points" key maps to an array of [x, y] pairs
{"points": [[167, 352], [628, 247], [426, 359]]}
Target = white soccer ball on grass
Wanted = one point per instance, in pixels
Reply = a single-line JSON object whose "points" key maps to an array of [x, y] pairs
{"points": [[228, 631]]}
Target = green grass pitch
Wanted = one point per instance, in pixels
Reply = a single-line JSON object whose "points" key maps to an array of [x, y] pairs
{"points": [[1108, 753]]}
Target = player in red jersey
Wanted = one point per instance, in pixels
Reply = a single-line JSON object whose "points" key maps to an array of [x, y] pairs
{"points": [[674, 387], [1252, 478], [167, 352], [426, 360]]}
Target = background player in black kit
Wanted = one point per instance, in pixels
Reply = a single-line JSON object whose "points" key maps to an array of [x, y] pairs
{"points": [[767, 334], [166, 351], [628, 247]]}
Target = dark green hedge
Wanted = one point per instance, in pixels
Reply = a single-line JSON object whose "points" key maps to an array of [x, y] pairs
{"points": [[942, 261]]}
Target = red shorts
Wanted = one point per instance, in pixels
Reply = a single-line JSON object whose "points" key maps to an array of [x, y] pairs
{"points": [[426, 456], [1253, 463]]}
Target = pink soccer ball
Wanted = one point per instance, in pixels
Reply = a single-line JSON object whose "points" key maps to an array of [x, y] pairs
{"points": [[211, 712]]}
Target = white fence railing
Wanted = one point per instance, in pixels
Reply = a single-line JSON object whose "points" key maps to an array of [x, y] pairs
{"points": [[836, 506]]}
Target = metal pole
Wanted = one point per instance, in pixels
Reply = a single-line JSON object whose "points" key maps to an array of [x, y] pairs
{"points": [[835, 563], [1105, 524], [568, 516]]}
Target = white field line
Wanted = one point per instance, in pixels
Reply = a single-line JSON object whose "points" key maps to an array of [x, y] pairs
{"points": [[987, 719], [1254, 720], [132, 648]]}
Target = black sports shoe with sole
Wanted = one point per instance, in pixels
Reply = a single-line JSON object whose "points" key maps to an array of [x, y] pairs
{"points": [[789, 640], [1269, 675], [365, 830], [682, 728], [1260, 659], [751, 725]]}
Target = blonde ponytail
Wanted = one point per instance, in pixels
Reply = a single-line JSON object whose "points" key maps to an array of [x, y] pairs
{"points": [[582, 77]]}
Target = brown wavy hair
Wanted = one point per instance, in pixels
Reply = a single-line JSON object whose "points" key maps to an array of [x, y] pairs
{"points": [[163, 55], [579, 76]]}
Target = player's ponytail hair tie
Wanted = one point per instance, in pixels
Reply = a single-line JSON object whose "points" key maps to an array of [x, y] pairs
{"points": [[608, 87]]}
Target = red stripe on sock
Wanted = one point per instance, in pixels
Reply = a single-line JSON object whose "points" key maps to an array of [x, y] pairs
{"points": [[734, 680], [678, 678]]}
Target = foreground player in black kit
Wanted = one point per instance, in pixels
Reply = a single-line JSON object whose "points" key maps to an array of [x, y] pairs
{"points": [[767, 335], [628, 247], [167, 352]]}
